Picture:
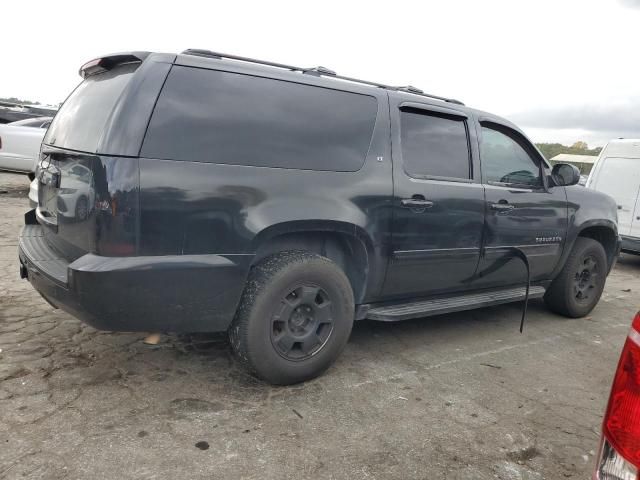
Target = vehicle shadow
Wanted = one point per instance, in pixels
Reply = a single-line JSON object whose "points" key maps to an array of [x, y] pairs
{"points": [[628, 263], [209, 357], [501, 320]]}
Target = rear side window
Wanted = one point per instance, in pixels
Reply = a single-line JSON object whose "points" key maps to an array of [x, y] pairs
{"points": [[434, 145], [221, 117], [80, 122]]}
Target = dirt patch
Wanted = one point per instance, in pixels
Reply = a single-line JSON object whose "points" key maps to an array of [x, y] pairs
{"points": [[524, 454], [14, 191]]}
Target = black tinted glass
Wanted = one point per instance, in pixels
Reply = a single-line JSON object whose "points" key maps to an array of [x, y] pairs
{"points": [[80, 122], [505, 161], [222, 117], [434, 145]]}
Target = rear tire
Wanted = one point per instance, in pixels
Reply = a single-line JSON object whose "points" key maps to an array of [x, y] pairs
{"points": [[578, 287], [294, 318]]}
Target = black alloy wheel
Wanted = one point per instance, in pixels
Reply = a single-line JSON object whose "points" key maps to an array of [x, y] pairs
{"points": [[579, 285], [302, 323], [585, 281]]}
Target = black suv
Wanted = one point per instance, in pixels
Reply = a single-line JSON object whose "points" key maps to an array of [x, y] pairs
{"points": [[206, 192]]}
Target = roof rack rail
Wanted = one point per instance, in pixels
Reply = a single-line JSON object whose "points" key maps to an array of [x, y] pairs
{"points": [[316, 71], [319, 70], [411, 89]]}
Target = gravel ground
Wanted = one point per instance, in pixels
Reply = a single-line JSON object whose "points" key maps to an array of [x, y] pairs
{"points": [[460, 396]]}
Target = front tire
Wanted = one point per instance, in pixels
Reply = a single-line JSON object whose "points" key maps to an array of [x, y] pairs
{"points": [[578, 287], [294, 318]]}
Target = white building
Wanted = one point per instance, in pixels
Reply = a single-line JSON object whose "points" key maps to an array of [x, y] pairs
{"points": [[583, 162]]}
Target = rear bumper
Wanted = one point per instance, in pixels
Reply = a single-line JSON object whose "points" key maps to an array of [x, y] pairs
{"points": [[176, 293]]}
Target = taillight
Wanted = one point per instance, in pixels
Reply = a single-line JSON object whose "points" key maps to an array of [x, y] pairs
{"points": [[620, 452]]}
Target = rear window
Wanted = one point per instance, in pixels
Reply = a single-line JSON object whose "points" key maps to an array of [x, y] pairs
{"points": [[80, 122], [221, 117]]}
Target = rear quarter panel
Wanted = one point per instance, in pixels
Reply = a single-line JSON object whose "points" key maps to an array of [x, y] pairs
{"points": [[192, 208]]}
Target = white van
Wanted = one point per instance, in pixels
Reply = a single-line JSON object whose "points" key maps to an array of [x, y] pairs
{"points": [[617, 173]]}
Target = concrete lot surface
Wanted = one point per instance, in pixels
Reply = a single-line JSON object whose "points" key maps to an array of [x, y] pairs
{"points": [[461, 396]]}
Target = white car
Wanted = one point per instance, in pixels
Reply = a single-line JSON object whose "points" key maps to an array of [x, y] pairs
{"points": [[20, 143], [76, 195], [617, 173]]}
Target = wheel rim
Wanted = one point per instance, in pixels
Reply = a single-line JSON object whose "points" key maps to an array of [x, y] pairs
{"points": [[303, 323], [586, 279]]}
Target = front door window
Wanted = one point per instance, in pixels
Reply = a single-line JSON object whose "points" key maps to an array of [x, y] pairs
{"points": [[506, 162]]}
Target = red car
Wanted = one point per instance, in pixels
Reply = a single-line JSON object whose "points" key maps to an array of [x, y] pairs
{"points": [[619, 457]]}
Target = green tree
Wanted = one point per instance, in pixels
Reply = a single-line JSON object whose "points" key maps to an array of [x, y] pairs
{"points": [[550, 150]]}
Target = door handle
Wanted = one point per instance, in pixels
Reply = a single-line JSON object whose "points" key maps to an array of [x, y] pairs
{"points": [[416, 203], [502, 206]]}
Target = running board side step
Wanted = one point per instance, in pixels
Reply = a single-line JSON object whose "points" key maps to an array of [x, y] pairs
{"points": [[425, 308]]}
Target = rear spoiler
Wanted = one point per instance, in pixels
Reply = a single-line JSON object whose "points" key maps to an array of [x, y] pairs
{"points": [[107, 62]]}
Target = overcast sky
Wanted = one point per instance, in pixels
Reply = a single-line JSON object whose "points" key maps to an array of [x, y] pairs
{"points": [[564, 70]]}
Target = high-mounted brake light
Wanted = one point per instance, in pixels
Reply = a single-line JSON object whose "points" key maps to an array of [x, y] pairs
{"points": [[90, 68], [102, 64], [620, 451]]}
